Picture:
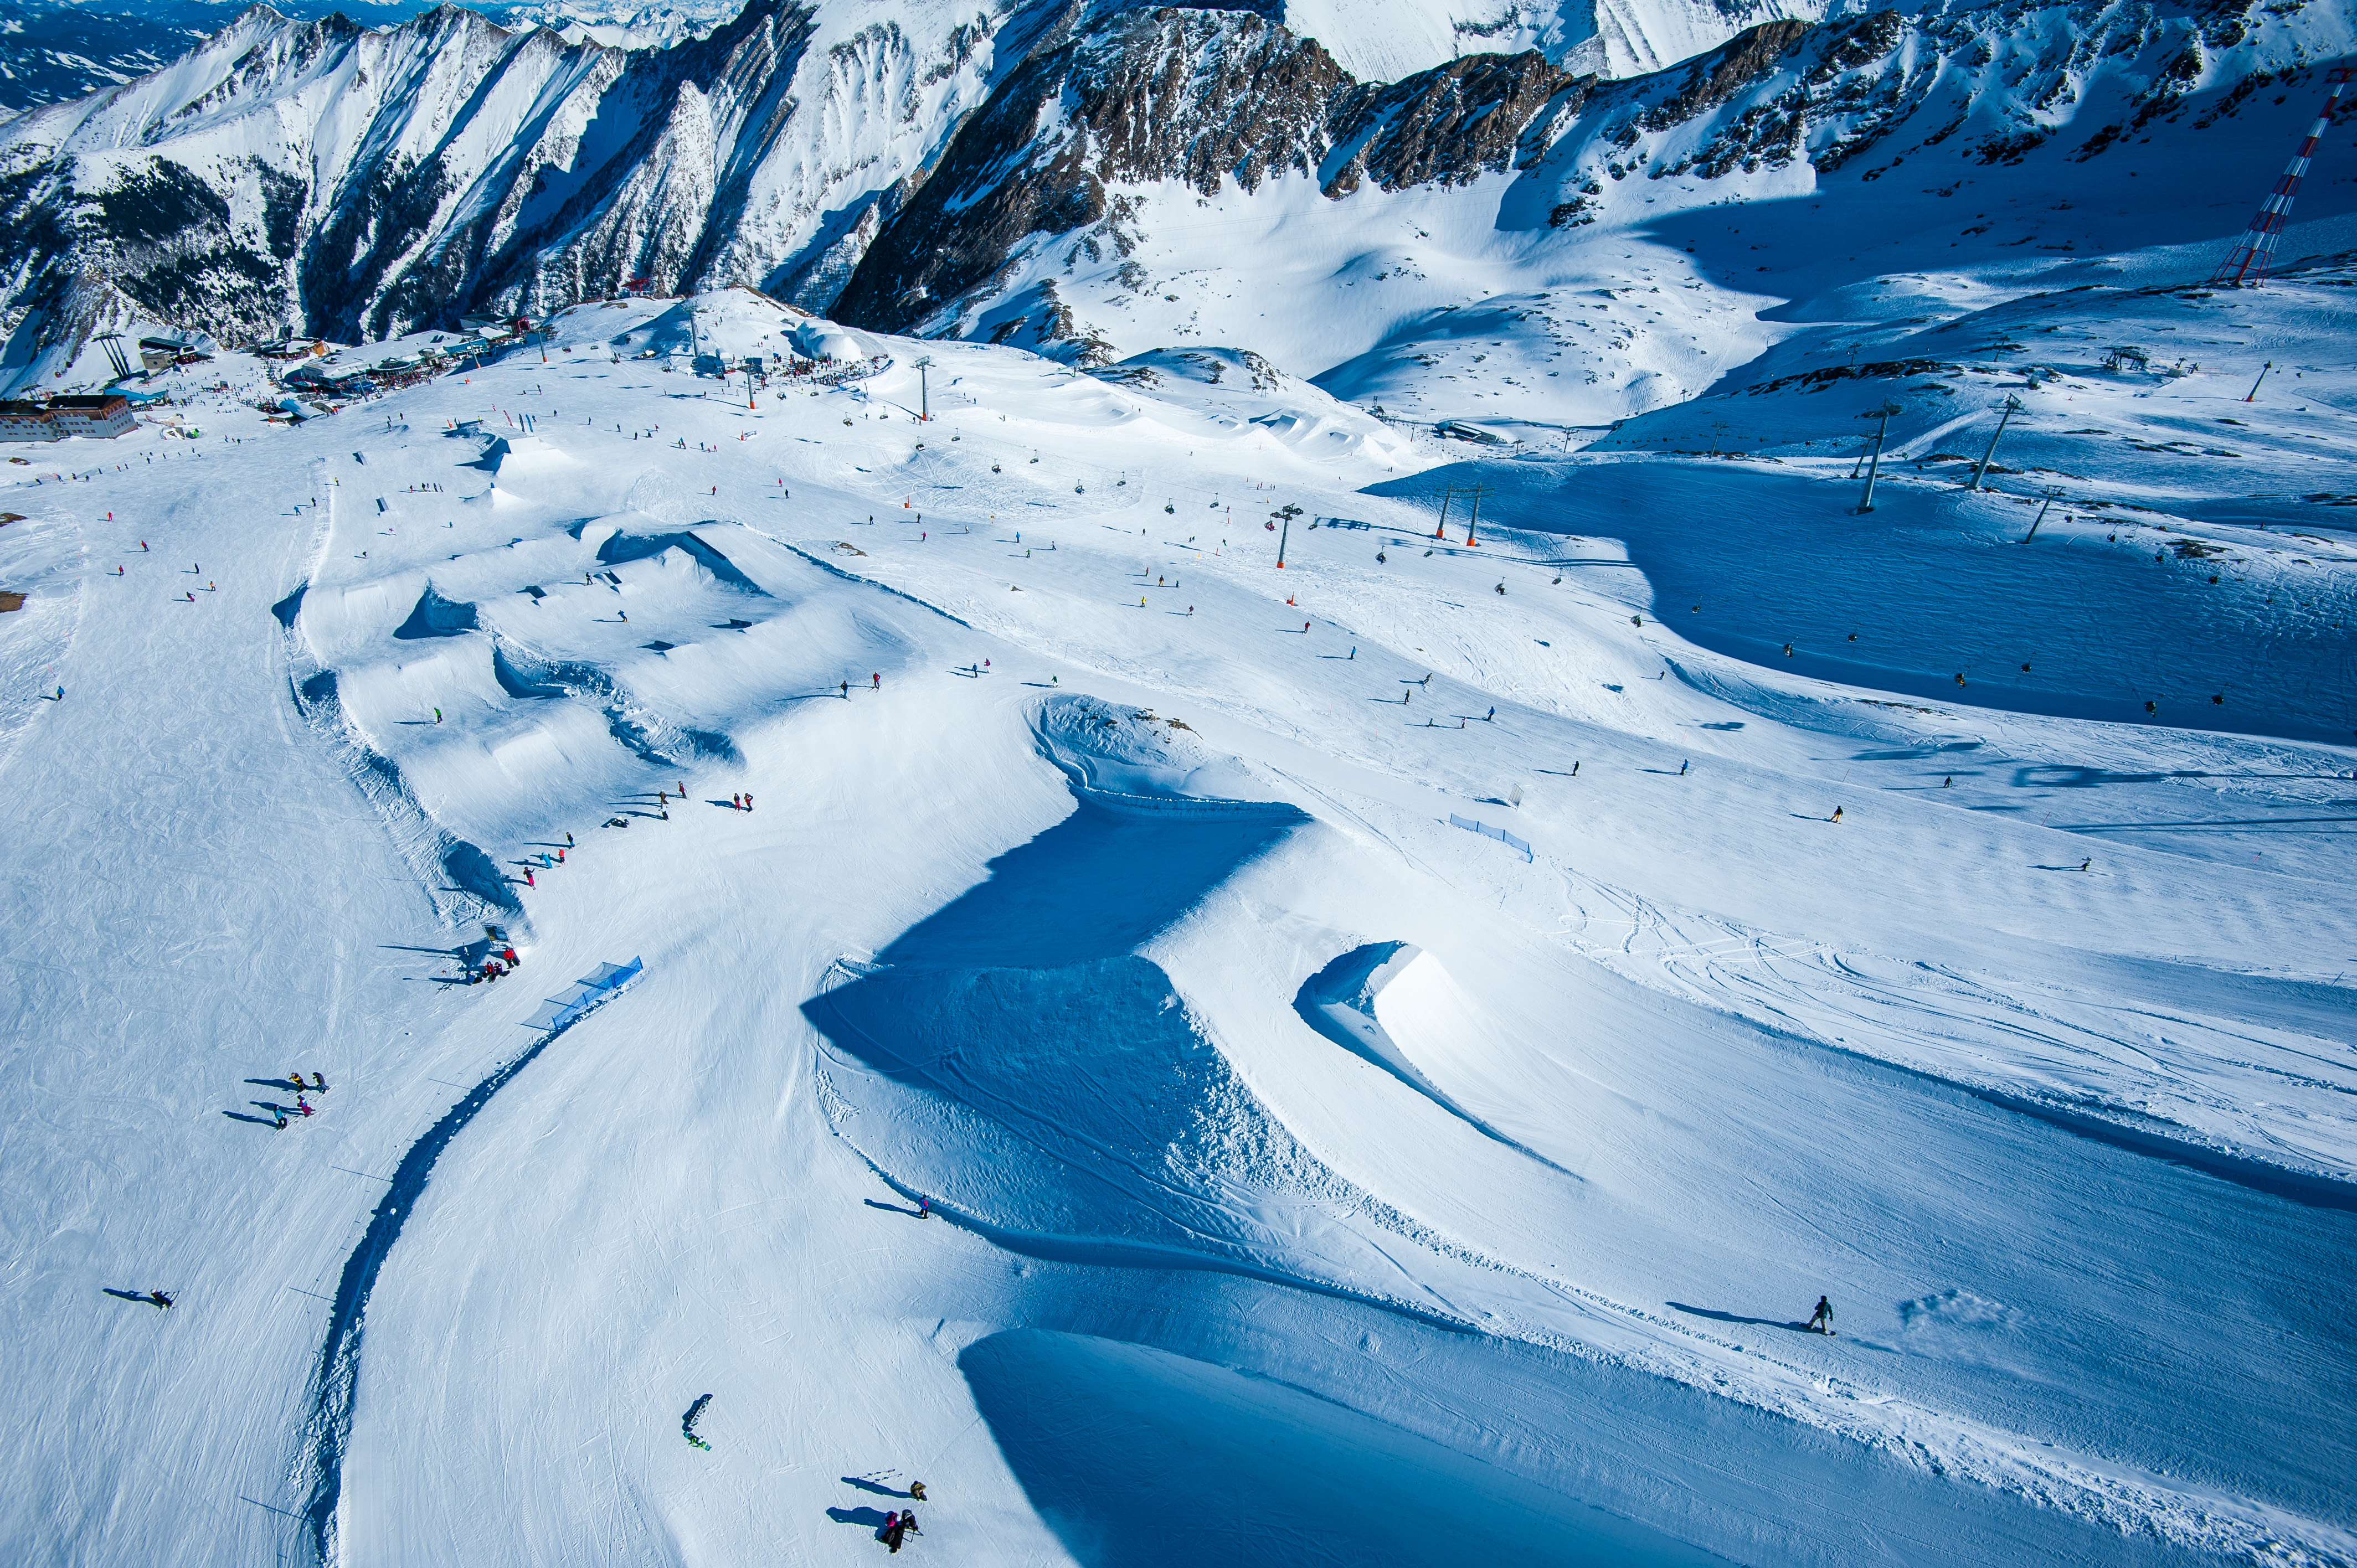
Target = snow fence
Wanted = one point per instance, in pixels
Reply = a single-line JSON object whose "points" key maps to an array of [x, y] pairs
{"points": [[585, 995], [1487, 831]]}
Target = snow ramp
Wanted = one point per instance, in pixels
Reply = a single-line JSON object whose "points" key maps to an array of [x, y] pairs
{"points": [[1139, 1457], [1013, 1058], [1357, 999]]}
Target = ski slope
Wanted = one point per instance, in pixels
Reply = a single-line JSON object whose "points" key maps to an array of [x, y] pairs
{"points": [[1311, 1180]]}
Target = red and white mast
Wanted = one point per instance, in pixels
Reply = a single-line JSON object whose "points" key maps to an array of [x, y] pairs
{"points": [[2250, 259]]}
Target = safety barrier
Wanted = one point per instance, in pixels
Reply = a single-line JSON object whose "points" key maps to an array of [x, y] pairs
{"points": [[585, 995], [1487, 831]]}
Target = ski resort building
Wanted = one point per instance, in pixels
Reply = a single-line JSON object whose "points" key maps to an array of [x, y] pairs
{"points": [[107, 414], [27, 421], [103, 414]]}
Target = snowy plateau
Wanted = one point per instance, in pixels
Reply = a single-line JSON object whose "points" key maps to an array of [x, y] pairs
{"points": [[1187, 787]]}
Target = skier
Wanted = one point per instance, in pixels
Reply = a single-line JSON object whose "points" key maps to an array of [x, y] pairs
{"points": [[437, 715], [1836, 816], [2086, 863], [891, 1532], [320, 1082], [1950, 778], [1493, 717], [844, 688], [161, 1298], [569, 840], [1824, 1315], [296, 1079], [916, 1490], [924, 1207], [303, 1106], [908, 1523], [282, 1117], [737, 801], [1682, 769], [1575, 770], [875, 682], [748, 799], [509, 956]]}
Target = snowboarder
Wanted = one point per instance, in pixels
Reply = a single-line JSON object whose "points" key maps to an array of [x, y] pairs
{"points": [[281, 1122], [296, 1079], [1682, 770], [1493, 716], [1836, 816], [2086, 863], [1950, 778], [1824, 1315], [319, 1083], [161, 1298], [916, 1490], [303, 1107]]}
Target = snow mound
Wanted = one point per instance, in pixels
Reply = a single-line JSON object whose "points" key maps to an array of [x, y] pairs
{"points": [[734, 323], [1363, 997], [1239, 391], [1118, 750], [521, 454], [1169, 1456]]}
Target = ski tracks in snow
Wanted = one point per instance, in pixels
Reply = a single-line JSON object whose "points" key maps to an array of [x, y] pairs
{"points": [[2232, 1089]]}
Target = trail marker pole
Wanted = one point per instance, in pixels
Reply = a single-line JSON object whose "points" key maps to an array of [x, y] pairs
{"points": [[2012, 406], [2261, 382]]}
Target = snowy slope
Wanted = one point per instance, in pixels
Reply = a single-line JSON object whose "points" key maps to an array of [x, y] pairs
{"points": [[1081, 834]]}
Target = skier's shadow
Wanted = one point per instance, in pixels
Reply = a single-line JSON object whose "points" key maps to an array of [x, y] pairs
{"points": [[890, 1208], [257, 1121], [876, 1487], [1733, 1317], [138, 1296], [865, 1518]]}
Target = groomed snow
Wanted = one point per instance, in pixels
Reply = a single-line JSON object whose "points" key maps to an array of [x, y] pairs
{"points": [[1312, 1180]]}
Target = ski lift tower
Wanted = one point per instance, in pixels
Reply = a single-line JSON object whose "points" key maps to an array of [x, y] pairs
{"points": [[2247, 266], [115, 356], [924, 398]]}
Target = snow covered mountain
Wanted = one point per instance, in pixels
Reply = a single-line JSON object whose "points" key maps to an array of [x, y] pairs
{"points": [[1095, 181]]}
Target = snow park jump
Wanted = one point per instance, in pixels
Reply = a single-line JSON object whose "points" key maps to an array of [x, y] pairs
{"points": [[1740, 952]]}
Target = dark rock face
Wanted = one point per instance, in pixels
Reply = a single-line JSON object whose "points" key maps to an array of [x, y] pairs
{"points": [[1198, 97]]}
